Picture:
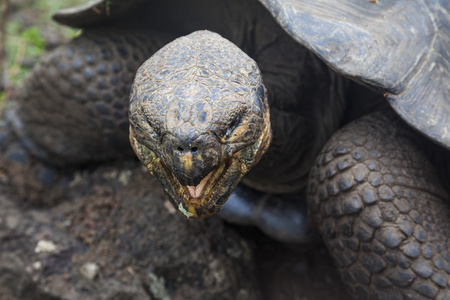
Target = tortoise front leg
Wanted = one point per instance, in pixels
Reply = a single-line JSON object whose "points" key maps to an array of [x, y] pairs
{"points": [[382, 211], [73, 106], [72, 110]]}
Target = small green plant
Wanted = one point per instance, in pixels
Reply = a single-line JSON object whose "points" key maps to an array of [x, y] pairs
{"points": [[34, 40], [27, 45], [24, 45]]}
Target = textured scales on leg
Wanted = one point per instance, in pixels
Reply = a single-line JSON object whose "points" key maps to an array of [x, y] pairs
{"points": [[72, 110], [83, 87], [382, 211]]}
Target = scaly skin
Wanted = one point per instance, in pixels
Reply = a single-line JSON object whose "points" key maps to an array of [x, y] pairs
{"points": [[72, 110], [199, 120], [82, 87], [382, 211]]}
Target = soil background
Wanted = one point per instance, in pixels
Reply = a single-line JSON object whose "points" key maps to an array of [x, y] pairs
{"points": [[114, 236]]}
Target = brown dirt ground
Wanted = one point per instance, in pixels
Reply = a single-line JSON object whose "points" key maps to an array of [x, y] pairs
{"points": [[117, 218]]}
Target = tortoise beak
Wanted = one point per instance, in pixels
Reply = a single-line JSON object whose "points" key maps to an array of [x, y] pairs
{"points": [[191, 160]]}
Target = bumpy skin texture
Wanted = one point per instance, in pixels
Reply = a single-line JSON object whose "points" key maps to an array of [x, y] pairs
{"points": [[83, 88], [382, 211], [199, 113]]}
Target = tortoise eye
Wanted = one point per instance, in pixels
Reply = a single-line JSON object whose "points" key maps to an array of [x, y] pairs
{"points": [[233, 125], [145, 129], [153, 124]]}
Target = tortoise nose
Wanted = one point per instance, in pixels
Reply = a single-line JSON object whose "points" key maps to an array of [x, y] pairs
{"points": [[182, 149], [192, 160]]}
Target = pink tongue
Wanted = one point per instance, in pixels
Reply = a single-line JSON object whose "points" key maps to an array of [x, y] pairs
{"points": [[197, 191]]}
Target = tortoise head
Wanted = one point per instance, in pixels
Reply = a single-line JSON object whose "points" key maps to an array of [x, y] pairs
{"points": [[199, 120]]}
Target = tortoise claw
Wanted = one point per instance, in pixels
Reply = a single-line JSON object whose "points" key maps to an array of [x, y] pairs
{"points": [[36, 182]]}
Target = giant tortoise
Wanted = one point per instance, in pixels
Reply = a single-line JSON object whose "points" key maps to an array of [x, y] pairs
{"points": [[347, 99]]}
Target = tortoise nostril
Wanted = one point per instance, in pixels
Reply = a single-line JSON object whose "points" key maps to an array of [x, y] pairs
{"points": [[181, 149]]}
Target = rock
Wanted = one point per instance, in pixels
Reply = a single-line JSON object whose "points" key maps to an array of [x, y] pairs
{"points": [[89, 270], [44, 246]]}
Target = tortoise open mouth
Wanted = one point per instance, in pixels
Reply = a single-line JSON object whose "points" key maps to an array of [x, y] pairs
{"points": [[196, 192], [208, 196]]}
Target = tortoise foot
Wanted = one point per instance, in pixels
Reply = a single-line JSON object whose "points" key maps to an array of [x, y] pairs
{"points": [[282, 217], [37, 182]]}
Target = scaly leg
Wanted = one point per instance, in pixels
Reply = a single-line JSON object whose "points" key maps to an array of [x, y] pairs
{"points": [[382, 211]]}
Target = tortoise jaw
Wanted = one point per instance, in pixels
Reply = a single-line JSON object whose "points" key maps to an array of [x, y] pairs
{"points": [[201, 201], [208, 197]]}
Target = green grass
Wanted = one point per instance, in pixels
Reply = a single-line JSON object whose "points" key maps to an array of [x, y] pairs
{"points": [[26, 45], [28, 23]]}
